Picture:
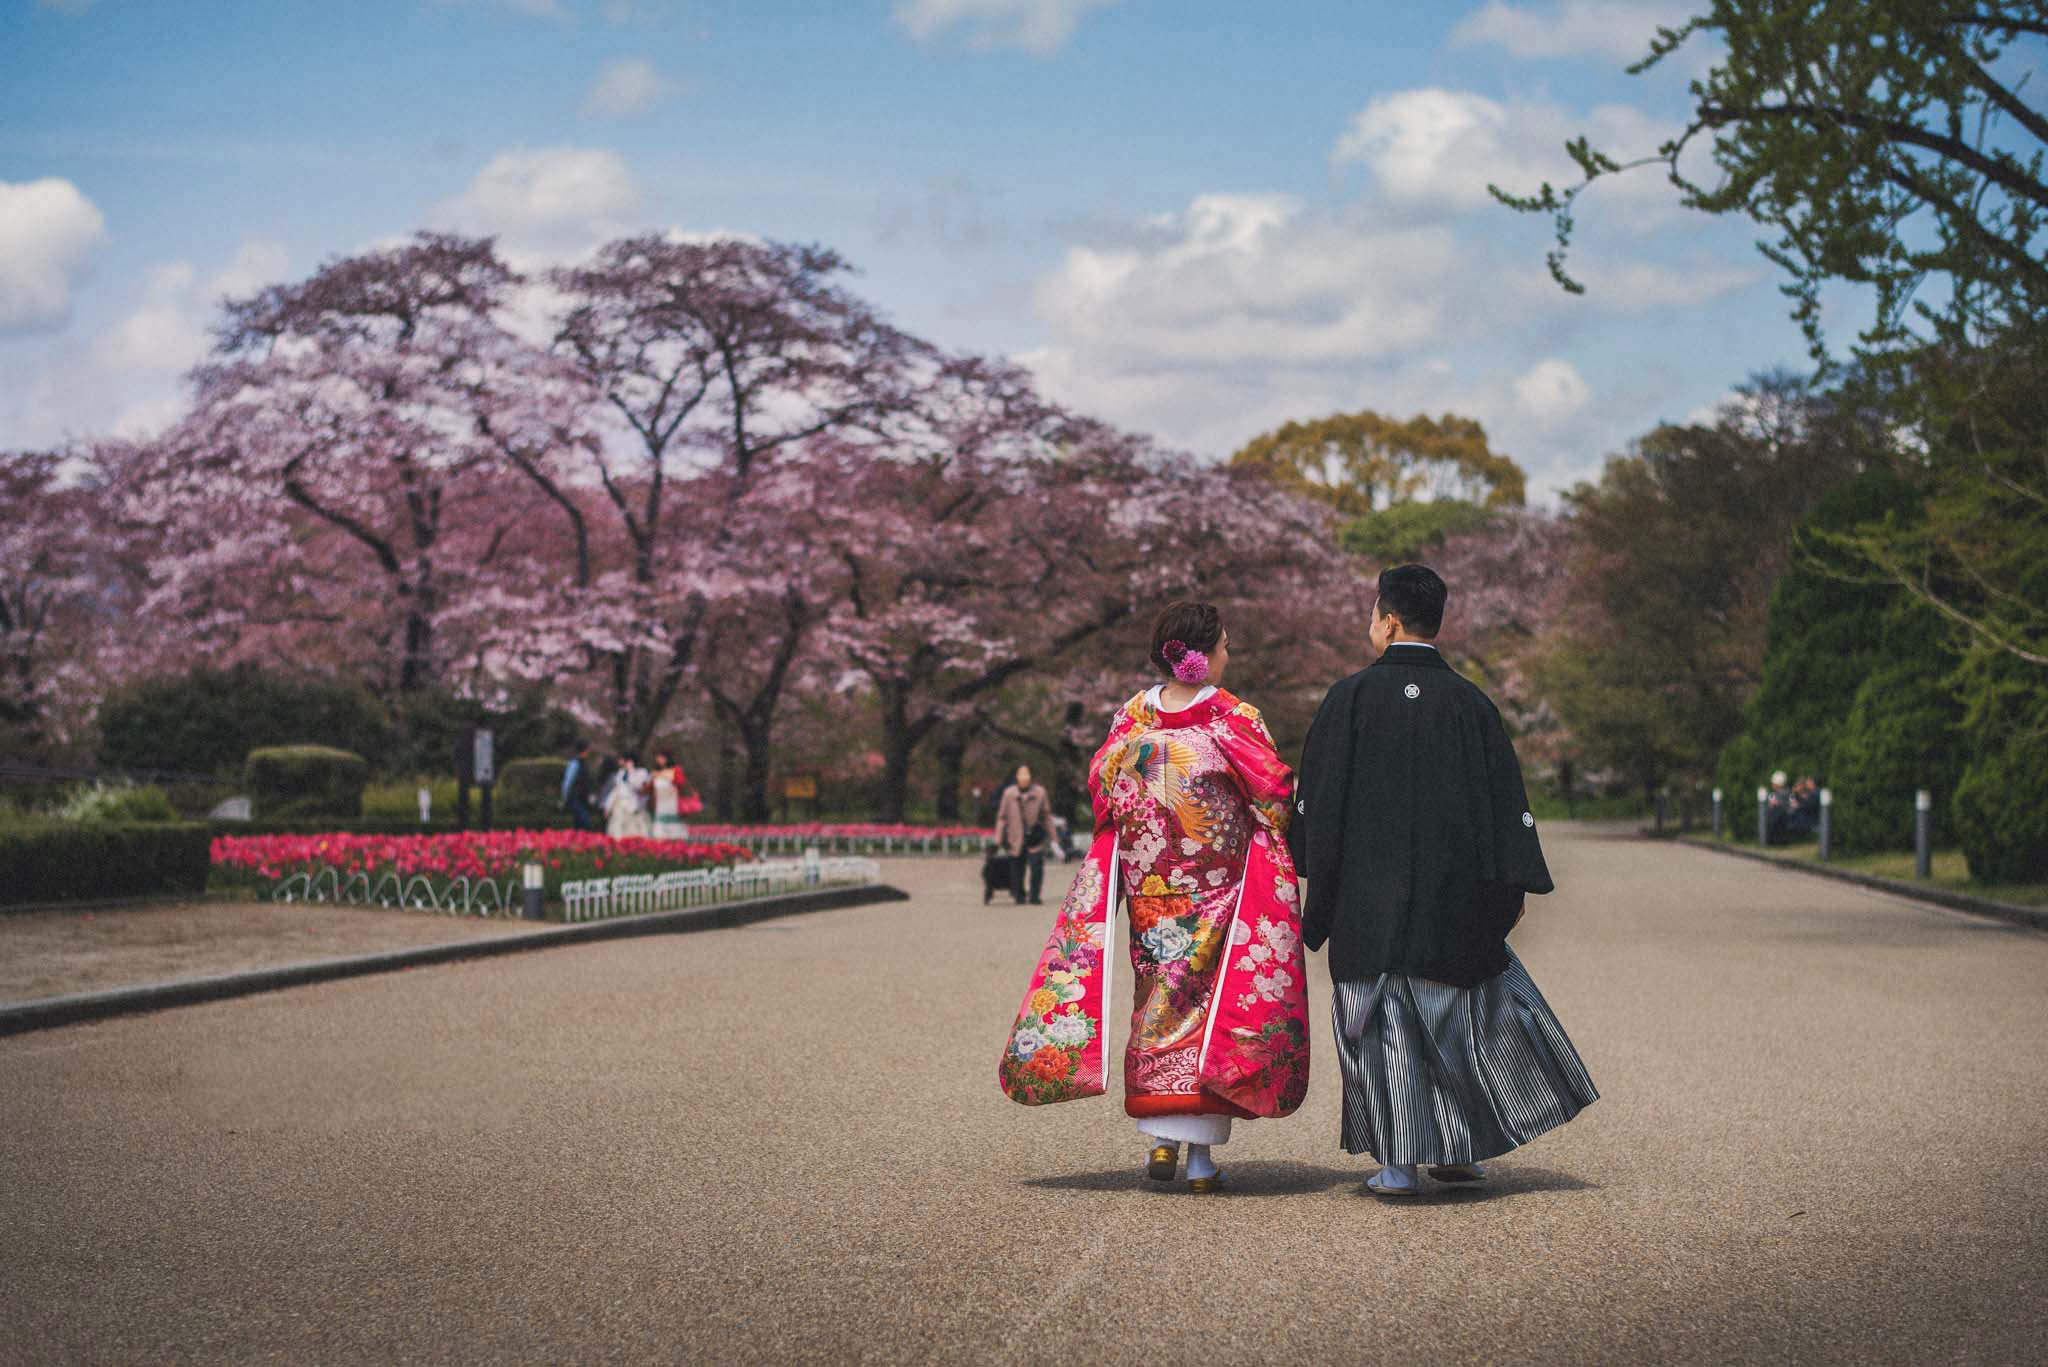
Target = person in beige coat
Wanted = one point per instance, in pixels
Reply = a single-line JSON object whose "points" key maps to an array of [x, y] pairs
{"points": [[1023, 832]]}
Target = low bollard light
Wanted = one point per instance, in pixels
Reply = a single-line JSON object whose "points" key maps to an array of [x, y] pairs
{"points": [[814, 869], [536, 894], [1827, 811], [1717, 814], [1763, 816], [1923, 834], [426, 799]]}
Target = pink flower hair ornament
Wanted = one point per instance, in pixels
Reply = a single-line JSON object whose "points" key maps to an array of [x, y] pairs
{"points": [[1189, 666]]}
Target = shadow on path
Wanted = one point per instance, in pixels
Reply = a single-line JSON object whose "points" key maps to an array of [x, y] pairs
{"points": [[1274, 1178]]}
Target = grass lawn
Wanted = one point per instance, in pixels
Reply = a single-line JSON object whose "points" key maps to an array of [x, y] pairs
{"points": [[1948, 867]]}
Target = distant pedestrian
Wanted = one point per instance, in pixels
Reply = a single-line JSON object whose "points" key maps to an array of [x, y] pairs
{"points": [[673, 799], [1024, 832], [578, 787], [625, 808]]}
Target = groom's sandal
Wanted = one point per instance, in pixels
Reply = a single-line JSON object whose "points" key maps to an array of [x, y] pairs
{"points": [[1378, 1186], [1165, 1161], [1459, 1172], [1201, 1186]]}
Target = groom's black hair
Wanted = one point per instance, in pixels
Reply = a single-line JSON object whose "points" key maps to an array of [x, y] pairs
{"points": [[1416, 594]]}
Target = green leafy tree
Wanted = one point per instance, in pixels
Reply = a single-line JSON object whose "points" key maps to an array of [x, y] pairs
{"points": [[1825, 635], [1896, 148], [1662, 636], [1361, 462], [1974, 424], [1408, 532], [1886, 146]]}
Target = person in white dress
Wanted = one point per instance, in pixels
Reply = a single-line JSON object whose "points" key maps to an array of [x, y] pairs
{"points": [[625, 808]]}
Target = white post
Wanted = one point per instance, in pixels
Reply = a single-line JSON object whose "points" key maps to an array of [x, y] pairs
{"points": [[1923, 834]]}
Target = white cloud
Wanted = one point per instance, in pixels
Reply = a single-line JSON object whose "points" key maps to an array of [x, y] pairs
{"points": [[1617, 29], [1552, 390], [48, 233], [166, 333], [626, 88], [1242, 311], [1040, 26], [551, 200], [1441, 148], [1249, 279], [128, 381]]}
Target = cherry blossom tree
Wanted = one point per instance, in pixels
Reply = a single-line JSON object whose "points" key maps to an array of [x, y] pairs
{"points": [[717, 354], [377, 425], [66, 579]]}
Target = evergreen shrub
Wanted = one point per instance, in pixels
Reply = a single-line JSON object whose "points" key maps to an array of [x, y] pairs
{"points": [[69, 862], [288, 782], [529, 794], [2001, 812], [206, 721], [1902, 734]]}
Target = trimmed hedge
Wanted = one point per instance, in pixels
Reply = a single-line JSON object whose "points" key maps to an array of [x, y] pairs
{"points": [[530, 793], [371, 825], [289, 782], [368, 825], [71, 863], [2001, 813]]}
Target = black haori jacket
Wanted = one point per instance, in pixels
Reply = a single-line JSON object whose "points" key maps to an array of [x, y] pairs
{"points": [[1413, 828]]}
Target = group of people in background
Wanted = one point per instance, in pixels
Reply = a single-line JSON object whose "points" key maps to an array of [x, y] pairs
{"points": [[1791, 810], [651, 803]]}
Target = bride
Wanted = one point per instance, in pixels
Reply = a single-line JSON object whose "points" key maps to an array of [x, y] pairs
{"points": [[1191, 807]]}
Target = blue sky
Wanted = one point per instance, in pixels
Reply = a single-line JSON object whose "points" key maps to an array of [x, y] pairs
{"points": [[1192, 217]]}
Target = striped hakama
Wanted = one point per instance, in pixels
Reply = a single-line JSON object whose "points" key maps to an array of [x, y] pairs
{"points": [[1442, 1074]]}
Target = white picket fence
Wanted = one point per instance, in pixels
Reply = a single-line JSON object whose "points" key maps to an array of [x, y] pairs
{"points": [[456, 897], [595, 899]]}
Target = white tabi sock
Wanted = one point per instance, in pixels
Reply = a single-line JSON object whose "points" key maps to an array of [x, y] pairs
{"points": [[1200, 1164]]}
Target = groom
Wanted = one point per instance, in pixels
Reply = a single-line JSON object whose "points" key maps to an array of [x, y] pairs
{"points": [[1415, 835]]}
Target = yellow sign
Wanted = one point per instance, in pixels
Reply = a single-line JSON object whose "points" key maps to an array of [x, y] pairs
{"points": [[805, 789]]}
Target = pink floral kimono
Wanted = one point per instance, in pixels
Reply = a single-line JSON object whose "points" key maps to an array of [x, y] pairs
{"points": [[1191, 811]]}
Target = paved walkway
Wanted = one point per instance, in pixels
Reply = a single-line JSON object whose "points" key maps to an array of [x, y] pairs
{"points": [[1820, 1140]]}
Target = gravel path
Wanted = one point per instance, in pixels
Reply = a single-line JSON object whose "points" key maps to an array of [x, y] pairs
{"points": [[48, 953], [1818, 1141]]}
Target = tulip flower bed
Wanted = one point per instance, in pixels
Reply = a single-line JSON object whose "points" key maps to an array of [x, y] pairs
{"points": [[263, 861], [852, 836]]}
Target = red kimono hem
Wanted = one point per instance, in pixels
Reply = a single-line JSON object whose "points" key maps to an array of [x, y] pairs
{"points": [[1183, 1104]]}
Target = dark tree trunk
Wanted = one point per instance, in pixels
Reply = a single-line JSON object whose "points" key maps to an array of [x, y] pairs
{"points": [[1070, 773], [760, 757], [952, 751], [728, 777], [893, 799]]}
